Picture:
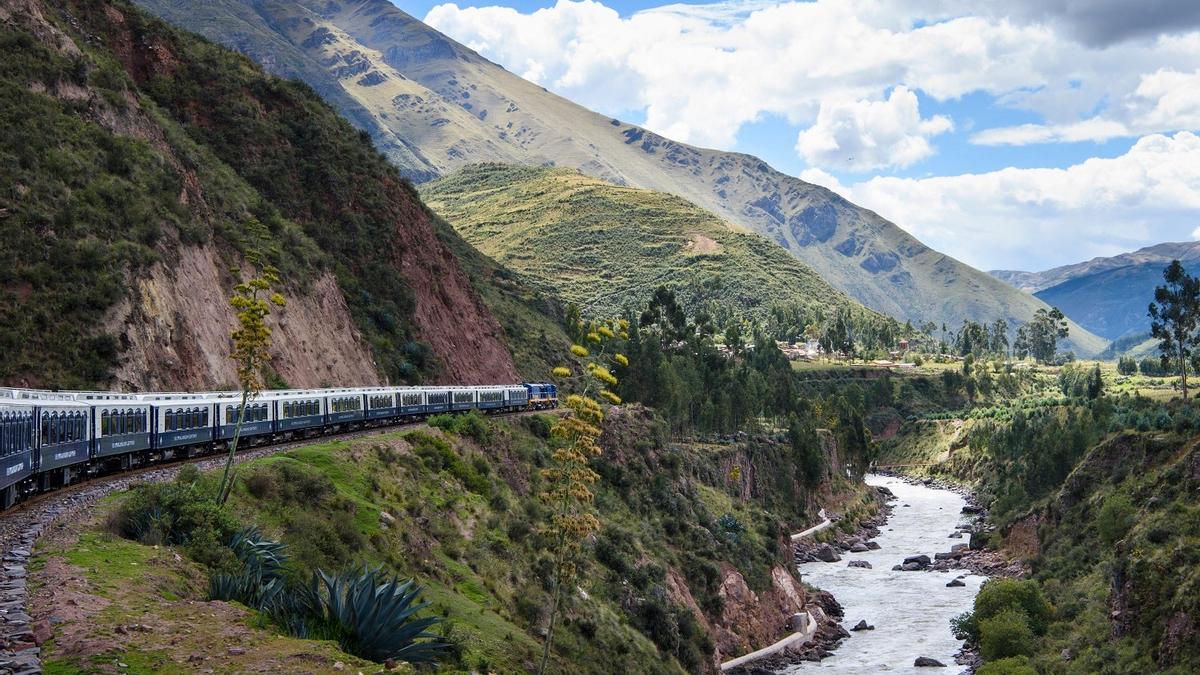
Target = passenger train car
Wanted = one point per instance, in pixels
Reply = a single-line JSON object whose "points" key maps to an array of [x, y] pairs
{"points": [[50, 438]]}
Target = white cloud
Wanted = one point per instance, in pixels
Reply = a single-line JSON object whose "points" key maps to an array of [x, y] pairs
{"points": [[699, 73], [1022, 218], [864, 135], [1163, 100]]}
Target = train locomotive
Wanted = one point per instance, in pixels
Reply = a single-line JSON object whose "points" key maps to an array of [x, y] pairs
{"points": [[49, 439]]}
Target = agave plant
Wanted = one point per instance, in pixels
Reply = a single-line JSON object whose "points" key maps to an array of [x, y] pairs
{"points": [[374, 616], [261, 556]]}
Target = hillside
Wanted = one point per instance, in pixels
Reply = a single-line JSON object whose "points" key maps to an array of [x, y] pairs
{"points": [[689, 568], [140, 164], [451, 108], [1107, 296], [1159, 255], [606, 248]]}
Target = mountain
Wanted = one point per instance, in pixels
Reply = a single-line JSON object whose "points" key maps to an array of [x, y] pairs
{"points": [[1159, 254], [140, 164], [1107, 296], [450, 107], [606, 247]]}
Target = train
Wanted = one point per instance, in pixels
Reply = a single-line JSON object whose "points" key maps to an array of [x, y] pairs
{"points": [[50, 439]]}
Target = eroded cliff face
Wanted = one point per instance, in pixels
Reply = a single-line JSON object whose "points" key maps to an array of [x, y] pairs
{"points": [[175, 331]]}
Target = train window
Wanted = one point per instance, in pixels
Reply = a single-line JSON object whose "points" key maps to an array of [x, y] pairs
{"points": [[104, 423]]}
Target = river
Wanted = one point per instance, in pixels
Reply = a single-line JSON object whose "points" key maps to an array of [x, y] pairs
{"points": [[911, 611]]}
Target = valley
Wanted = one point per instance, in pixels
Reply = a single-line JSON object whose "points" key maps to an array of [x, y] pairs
{"points": [[329, 345]]}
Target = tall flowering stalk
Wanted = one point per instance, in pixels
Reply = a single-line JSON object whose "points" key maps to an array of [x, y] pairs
{"points": [[569, 479], [252, 299]]}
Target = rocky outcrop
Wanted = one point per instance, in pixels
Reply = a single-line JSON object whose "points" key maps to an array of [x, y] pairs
{"points": [[751, 620]]}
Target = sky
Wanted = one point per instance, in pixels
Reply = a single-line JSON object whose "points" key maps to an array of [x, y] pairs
{"points": [[1016, 135]]}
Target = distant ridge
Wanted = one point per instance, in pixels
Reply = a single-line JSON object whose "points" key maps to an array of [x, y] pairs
{"points": [[1107, 295]]}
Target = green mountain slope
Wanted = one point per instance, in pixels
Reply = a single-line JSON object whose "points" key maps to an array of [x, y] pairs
{"points": [[458, 108], [133, 159], [606, 247]]}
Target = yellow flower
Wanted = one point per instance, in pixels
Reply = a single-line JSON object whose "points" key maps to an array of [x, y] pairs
{"points": [[616, 400], [579, 351], [621, 359], [562, 372], [594, 337], [605, 331]]}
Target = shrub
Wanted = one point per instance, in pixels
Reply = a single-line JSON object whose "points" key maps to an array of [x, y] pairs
{"points": [[1005, 634], [999, 595], [1013, 665], [175, 514], [470, 425]]}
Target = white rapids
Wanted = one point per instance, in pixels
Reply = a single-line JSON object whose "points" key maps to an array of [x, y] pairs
{"points": [[911, 611]]}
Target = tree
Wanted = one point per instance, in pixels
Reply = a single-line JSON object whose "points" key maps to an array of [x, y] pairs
{"points": [[1039, 337], [1173, 318], [569, 479], [1126, 365], [252, 299]]}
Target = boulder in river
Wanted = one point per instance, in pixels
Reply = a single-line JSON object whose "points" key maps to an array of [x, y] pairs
{"points": [[911, 567], [922, 560], [955, 583], [859, 563], [825, 553], [872, 546], [862, 625], [926, 662], [859, 548]]}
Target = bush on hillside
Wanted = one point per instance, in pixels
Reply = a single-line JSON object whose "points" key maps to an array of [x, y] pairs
{"points": [[1013, 665], [470, 425], [1005, 634]]}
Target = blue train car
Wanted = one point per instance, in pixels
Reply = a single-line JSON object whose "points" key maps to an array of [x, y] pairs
{"points": [[462, 398], [259, 418], [411, 401], [17, 425], [120, 427], [183, 422], [490, 398], [382, 405], [345, 407], [437, 400], [63, 441], [299, 411]]}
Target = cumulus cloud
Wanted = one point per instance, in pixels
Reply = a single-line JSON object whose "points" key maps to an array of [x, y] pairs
{"points": [[1097, 207], [698, 73], [863, 135], [1165, 99]]}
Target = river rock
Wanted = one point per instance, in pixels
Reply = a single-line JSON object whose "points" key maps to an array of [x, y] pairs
{"points": [[859, 563], [955, 583], [955, 535], [911, 567], [825, 553], [862, 625], [972, 509], [922, 560], [872, 546], [959, 548], [859, 548], [926, 662]]}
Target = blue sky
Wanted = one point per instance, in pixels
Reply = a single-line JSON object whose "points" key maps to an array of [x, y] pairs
{"points": [[1023, 134]]}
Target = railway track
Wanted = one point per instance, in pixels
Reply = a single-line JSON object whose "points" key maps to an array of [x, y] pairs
{"points": [[21, 526]]}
